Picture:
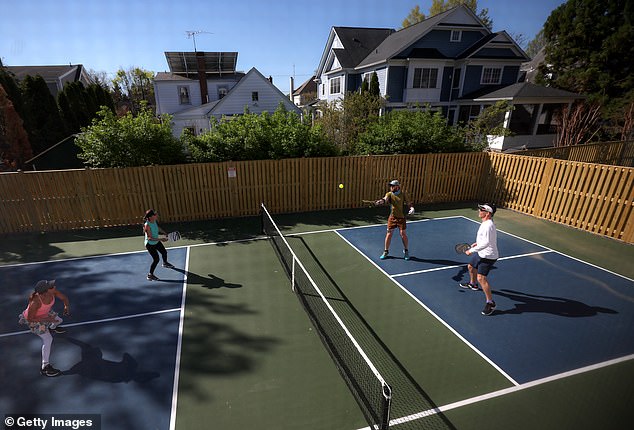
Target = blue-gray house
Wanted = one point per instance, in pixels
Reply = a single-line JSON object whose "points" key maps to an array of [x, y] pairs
{"points": [[449, 62]]}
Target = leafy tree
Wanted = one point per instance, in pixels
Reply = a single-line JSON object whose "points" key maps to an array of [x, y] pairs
{"points": [[440, 6], [415, 16], [590, 46], [343, 120], [132, 87], [15, 148], [411, 132], [129, 140], [535, 45], [42, 119], [490, 122], [257, 137]]}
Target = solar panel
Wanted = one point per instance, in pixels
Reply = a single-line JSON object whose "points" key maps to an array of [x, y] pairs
{"points": [[214, 62]]}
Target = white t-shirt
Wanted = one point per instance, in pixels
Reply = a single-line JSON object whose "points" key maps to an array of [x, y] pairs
{"points": [[487, 241]]}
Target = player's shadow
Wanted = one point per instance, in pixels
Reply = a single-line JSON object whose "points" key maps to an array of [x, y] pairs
{"points": [[437, 261], [211, 281], [547, 304], [93, 366]]}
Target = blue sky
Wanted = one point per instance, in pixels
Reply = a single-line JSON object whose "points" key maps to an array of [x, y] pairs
{"points": [[279, 37]]}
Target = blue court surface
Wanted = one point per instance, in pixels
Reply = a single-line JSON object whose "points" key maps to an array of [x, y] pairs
{"points": [[554, 313], [119, 355]]}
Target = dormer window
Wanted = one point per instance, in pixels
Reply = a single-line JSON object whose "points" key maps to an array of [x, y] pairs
{"points": [[456, 36]]}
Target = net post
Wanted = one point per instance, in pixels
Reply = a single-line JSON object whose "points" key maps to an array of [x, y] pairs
{"points": [[387, 397]]}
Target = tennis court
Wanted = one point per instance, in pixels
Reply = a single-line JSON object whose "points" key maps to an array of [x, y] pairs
{"points": [[223, 342]]}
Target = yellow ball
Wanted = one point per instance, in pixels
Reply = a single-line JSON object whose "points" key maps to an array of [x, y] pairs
{"points": [[341, 186]]}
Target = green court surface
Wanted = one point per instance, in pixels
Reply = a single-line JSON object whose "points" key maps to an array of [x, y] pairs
{"points": [[251, 359]]}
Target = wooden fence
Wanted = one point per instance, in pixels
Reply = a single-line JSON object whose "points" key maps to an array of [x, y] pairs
{"points": [[595, 198], [615, 153]]}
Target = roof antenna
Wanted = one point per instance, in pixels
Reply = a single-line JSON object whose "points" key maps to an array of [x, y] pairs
{"points": [[191, 34]]}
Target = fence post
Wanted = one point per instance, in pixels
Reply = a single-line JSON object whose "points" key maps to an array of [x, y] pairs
{"points": [[544, 185]]}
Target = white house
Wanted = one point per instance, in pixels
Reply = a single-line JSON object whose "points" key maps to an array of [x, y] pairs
{"points": [[201, 85]]}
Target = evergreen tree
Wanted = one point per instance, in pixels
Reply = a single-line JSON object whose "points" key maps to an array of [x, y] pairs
{"points": [[374, 85], [12, 89], [41, 115], [15, 148]]}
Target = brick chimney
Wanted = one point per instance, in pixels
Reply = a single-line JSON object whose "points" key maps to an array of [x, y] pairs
{"points": [[202, 77], [290, 96]]}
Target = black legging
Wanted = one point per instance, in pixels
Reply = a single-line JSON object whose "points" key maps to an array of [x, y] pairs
{"points": [[154, 252]]}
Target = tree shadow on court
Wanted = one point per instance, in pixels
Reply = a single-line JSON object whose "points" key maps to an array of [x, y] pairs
{"points": [[211, 281], [547, 304], [93, 366], [408, 396]]}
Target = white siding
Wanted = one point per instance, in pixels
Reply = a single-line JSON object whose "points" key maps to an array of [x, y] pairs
{"points": [[268, 97], [423, 95], [166, 94]]}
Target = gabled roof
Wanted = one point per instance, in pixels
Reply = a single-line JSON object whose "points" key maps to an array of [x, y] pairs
{"points": [[524, 91], [254, 72], [404, 38], [494, 40], [47, 72], [208, 109], [357, 44], [309, 86]]}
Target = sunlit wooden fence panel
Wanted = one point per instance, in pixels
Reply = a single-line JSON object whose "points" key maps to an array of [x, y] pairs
{"points": [[614, 153], [593, 197]]}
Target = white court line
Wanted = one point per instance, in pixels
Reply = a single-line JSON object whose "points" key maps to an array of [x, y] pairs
{"points": [[506, 391], [462, 265], [87, 257], [558, 252], [125, 317], [179, 345], [443, 322]]}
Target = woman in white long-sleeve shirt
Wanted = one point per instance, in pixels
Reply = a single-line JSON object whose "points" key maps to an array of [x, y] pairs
{"points": [[484, 253]]}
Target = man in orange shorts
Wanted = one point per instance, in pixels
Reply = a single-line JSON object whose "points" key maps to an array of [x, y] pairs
{"points": [[399, 201]]}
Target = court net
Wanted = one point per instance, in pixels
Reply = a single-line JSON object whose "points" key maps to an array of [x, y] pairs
{"points": [[370, 390]]}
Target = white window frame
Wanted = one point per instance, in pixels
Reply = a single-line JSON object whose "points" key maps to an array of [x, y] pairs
{"points": [[183, 95], [222, 92], [453, 38], [425, 75], [488, 73], [335, 85]]}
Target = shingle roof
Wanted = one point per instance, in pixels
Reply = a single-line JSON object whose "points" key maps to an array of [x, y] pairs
{"points": [[358, 43], [401, 39], [522, 90], [46, 72]]}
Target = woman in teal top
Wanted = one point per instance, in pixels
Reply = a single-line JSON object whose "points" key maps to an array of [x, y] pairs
{"points": [[154, 243]]}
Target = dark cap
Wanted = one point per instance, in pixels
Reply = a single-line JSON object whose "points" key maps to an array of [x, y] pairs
{"points": [[149, 213], [44, 286]]}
